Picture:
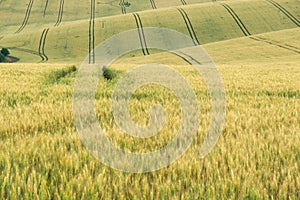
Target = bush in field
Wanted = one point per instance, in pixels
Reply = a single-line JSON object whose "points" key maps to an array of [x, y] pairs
{"points": [[57, 75], [127, 4], [108, 73], [5, 51], [2, 58]]}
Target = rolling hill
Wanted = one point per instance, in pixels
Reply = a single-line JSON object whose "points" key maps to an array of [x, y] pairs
{"points": [[51, 38]]}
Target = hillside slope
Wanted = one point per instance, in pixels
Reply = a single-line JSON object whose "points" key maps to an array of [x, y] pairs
{"points": [[33, 12], [72, 40]]}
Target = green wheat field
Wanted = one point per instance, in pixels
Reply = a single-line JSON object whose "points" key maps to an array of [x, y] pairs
{"points": [[255, 45]]}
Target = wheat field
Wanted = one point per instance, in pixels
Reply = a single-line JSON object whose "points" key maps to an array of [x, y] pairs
{"points": [[256, 157]]}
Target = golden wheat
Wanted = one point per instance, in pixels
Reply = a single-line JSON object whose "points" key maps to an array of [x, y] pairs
{"points": [[257, 155]]}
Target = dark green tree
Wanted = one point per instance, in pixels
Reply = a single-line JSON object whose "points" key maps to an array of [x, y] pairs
{"points": [[2, 58], [5, 51], [127, 4]]}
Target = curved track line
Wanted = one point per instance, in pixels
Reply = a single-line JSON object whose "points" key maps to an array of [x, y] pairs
{"points": [[275, 43], [183, 2], [189, 26], [42, 44], [45, 9], [182, 57], [190, 57], [26, 18], [236, 19], [187, 58], [60, 13], [92, 33], [23, 50], [142, 29], [123, 8], [284, 11], [141, 34], [153, 4]]}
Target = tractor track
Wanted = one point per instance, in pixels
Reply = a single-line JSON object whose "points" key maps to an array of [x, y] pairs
{"points": [[23, 50], [45, 9], [42, 44], [284, 11], [153, 4], [92, 33], [275, 43], [60, 13], [185, 57], [183, 2], [26, 18], [141, 34], [236, 19], [123, 8], [189, 26]]}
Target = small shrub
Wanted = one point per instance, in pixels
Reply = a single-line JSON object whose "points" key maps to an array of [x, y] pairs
{"points": [[2, 58], [127, 4], [109, 74], [57, 75], [5, 51]]}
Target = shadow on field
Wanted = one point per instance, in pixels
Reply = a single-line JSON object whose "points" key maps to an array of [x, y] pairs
{"points": [[12, 59]]}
